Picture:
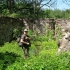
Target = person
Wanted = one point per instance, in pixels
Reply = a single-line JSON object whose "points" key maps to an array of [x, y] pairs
{"points": [[25, 40]]}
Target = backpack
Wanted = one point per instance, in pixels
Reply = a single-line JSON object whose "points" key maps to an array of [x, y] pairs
{"points": [[18, 41], [21, 44]]}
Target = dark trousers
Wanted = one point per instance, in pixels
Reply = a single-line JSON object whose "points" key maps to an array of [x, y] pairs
{"points": [[26, 51]]}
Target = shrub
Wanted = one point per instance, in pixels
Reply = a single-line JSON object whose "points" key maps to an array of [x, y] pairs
{"points": [[11, 57], [5, 12], [49, 45]]}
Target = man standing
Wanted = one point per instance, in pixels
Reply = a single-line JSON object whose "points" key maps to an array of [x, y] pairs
{"points": [[25, 40]]}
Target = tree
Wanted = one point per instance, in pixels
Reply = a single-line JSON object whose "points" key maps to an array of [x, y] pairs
{"points": [[38, 4], [27, 7], [10, 4]]}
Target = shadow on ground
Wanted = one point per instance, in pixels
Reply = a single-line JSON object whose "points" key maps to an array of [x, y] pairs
{"points": [[7, 59]]}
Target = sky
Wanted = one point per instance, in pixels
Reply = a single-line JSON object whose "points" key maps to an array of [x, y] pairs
{"points": [[60, 5]]}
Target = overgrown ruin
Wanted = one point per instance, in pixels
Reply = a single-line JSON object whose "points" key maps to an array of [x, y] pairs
{"points": [[8, 24]]}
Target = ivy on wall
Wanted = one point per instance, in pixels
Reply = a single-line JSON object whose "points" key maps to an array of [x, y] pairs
{"points": [[7, 27]]}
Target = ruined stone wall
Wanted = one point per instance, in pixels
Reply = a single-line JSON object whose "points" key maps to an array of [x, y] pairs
{"points": [[63, 23], [40, 24], [7, 25]]}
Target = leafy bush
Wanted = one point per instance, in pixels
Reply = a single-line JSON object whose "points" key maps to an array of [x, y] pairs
{"points": [[15, 33], [5, 12], [11, 57], [49, 45]]}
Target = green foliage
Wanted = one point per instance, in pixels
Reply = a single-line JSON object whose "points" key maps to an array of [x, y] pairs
{"points": [[42, 55], [5, 12], [26, 9], [15, 33], [13, 15], [48, 13], [11, 58], [49, 45], [30, 32]]}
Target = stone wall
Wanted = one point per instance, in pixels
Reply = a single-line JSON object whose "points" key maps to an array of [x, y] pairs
{"points": [[40, 24], [63, 23], [7, 25]]}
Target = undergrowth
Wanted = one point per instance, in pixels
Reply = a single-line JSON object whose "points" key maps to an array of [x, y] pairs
{"points": [[42, 57]]}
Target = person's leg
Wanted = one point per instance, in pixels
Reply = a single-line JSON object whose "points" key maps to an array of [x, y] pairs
{"points": [[23, 52], [26, 52]]}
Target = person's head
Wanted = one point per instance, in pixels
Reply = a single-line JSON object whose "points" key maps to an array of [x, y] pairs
{"points": [[25, 31]]}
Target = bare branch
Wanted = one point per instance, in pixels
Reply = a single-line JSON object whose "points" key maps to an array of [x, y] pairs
{"points": [[46, 3], [66, 2], [53, 3]]}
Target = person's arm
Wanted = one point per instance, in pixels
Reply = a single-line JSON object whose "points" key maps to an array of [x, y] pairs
{"points": [[24, 42], [28, 38]]}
